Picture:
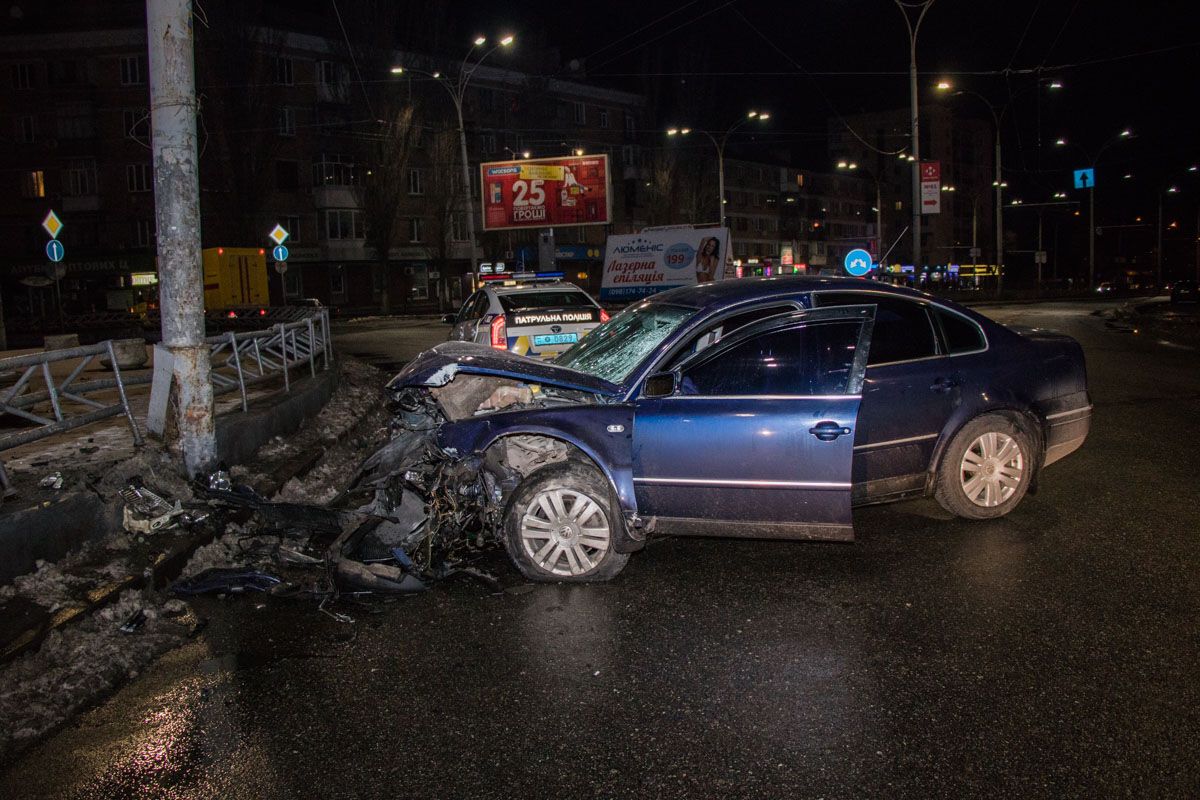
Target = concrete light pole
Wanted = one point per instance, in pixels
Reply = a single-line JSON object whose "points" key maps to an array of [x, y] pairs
{"points": [[913, 30], [458, 91], [719, 143], [177, 212]]}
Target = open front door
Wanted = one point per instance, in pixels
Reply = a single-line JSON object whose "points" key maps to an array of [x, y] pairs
{"points": [[754, 436]]}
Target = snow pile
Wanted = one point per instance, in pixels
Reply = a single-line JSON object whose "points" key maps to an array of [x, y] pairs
{"points": [[78, 664], [351, 426], [54, 585]]}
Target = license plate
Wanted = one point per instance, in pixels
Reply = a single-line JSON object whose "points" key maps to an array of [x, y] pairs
{"points": [[555, 338]]}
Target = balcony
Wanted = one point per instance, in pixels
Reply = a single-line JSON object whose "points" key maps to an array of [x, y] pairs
{"points": [[335, 197]]}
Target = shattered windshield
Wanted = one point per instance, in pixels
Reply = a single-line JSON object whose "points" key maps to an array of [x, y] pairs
{"points": [[612, 350]]}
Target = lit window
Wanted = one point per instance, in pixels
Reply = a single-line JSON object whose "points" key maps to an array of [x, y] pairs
{"points": [[33, 184]]}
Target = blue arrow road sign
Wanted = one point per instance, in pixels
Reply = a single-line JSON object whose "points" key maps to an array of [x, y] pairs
{"points": [[55, 250], [280, 252], [1085, 178], [858, 262]]}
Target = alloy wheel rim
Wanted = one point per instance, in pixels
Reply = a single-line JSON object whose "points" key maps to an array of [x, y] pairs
{"points": [[565, 532], [992, 469]]}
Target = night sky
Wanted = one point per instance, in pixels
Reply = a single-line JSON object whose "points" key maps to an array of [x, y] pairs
{"points": [[1122, 65]]}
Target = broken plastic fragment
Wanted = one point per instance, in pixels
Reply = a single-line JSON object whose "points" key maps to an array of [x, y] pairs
{"points": [[52, 481]]}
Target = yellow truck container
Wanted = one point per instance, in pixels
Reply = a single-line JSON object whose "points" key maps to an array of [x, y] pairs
{"points": [[234, 277]]}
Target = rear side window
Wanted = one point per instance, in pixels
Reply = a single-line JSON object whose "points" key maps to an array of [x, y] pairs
{"points": [[474, 307], [903, 329], [813, 359], [960, 334], [557, 299]]}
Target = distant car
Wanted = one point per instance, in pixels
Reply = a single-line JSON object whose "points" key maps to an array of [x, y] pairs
{"points": [[754, 408], [529, 315], [1105, 287], [1185, 292]]}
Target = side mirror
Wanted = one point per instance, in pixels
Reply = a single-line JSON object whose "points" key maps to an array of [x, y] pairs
{"points": [[662, 384], [449, 318]]}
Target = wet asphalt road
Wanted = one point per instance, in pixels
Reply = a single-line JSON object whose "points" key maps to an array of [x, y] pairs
{"points": [[1051, 653]]}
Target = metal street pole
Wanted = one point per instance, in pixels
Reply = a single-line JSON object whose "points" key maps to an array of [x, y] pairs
{"points": [[975, 239], [1092, 235], [177, 212], [913, 30], [1039, 253], [458, 91], [721, 183], [999, 216], [1158, 246], [720, 145], [879, 221]]}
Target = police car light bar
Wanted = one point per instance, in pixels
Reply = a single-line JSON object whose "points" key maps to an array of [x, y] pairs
{"points": [[513, 277]]}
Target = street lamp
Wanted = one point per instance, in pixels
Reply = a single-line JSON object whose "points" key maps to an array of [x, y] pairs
{"points": [[852, 167], [998, 183], [719, 143], [1091, 188], [915, 158], [457, 89]]}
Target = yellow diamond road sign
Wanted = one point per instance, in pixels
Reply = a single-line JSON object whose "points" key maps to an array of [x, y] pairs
{"points": [[279, 234], [52, 224]]}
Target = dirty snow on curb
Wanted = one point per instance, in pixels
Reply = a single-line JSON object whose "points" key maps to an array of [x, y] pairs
{"points": [[350, 427], [81, 662], [78, 664]]}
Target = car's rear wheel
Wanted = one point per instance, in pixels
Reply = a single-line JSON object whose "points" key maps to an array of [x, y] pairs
{"points": [[986, 469], [560, 525]]}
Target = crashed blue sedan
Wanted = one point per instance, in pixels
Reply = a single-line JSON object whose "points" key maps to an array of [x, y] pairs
{"points": [[757, 408]]}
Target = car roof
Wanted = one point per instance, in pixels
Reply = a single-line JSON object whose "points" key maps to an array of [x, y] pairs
{"points": [[534, 287], [736, 290]]}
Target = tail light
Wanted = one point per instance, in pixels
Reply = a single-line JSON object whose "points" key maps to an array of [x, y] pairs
{"points": [[232, 315], [604, 317], [262, 312], [499, 332]]}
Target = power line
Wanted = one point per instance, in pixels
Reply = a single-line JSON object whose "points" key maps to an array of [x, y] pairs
{"points": [[817, 86]]}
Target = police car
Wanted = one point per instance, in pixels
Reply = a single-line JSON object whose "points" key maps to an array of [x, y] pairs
{"points": [[532, 314]]}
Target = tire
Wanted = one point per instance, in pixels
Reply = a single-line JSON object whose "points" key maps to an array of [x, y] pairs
{"points": [[986, 469], [542, 525]]}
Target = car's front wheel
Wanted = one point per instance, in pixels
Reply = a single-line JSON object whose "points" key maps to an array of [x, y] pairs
{"points": [[986, 469], [560, 525]]}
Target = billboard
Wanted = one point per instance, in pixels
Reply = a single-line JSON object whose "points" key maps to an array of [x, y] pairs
{"points": [[544, 192], [640, 264], [931, 187]]}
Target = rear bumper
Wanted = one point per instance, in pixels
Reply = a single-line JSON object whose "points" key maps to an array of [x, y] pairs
{"points": [[1066, 432]]}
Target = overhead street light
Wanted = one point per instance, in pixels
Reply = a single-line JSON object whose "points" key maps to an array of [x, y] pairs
{"points": [[719, 143], [457, 89]]}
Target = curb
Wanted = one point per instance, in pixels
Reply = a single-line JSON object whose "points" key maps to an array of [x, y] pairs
{"points": [[168, 564]]}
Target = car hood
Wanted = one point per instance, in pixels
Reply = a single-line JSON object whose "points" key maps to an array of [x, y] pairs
{"points": [[438, 366]]}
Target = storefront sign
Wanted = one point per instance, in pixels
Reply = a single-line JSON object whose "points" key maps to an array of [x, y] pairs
{"points": [[545, 192]]}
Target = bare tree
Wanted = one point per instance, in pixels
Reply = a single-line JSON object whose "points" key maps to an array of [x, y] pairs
{"points": [[386, 186], [681, 190], [444, 197]]}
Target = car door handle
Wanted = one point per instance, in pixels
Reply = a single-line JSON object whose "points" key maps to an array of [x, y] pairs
{"points": [[828, 430], [943, 385]]}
